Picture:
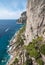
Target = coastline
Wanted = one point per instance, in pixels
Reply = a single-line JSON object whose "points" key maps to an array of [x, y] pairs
{"points": [[8, 63], [12, 57], [11, 42]]}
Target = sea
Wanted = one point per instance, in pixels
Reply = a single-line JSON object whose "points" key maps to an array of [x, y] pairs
{"points": [[7, 30]]}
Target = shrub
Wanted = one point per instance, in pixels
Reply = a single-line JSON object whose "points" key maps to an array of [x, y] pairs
{"points": [[42, 49], [16, 61], [32, 51], [40, 62], [29, 62]]}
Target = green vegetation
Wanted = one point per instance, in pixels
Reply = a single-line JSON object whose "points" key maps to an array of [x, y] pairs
{"points": [[22, 29], [32, 51], [16, 61], [35, 48], [20, 36], [28, 59], [29, 62], [11, 64], [19, 42], [42, 49], [37, 40], [40, 62]]}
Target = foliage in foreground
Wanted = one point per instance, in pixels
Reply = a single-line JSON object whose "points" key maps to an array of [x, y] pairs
{"points": [[35, 48], [40, 62], [42, 49]]}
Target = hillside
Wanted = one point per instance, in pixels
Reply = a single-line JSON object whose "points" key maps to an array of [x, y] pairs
{"points": [[29, 45]]}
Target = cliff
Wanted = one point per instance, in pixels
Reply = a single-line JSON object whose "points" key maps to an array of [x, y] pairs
{"points": [[28, 46], [23, 18], [35, 19], [16, 46]]}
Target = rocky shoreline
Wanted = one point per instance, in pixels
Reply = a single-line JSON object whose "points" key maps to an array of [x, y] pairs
{"points": [[12, 56], [12, 47]]}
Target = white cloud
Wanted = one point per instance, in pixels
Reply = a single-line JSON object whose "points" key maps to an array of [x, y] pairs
{"points": [[8, 14]]}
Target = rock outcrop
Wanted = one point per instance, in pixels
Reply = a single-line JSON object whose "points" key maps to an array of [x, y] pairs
{"points": [[23, 18], [35, 19]]}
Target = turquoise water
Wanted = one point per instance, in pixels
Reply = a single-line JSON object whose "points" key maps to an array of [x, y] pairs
{"points": [[7, 29]]}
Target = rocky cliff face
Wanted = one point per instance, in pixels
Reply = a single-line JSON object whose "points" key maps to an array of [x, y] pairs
{"points": [[35, 19], [23, 18]]}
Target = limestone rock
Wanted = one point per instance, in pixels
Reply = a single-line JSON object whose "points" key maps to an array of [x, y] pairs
{"points": [[35, 19], [23, 18]]}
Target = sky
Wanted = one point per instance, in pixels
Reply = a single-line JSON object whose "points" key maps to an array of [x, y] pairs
{"points": [[11, 9]]}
